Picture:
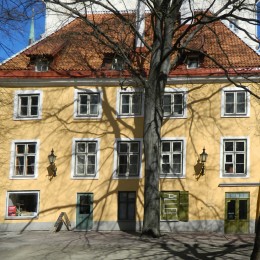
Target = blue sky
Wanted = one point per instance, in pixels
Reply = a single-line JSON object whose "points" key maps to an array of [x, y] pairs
{"points": [[13, 39]]}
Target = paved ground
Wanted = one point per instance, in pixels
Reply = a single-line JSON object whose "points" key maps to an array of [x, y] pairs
{"points": [[71, 245]]}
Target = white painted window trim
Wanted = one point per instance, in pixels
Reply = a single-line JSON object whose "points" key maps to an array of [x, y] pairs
{"points": [[178, 90], [234, 89], [115, 175], [73, 160], [167, 176], [12, 161], [247, 166], [87, 91], [16, 104], [19, 192], [126, 91]]}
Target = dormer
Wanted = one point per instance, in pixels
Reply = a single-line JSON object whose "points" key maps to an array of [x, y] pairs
{"points": [[193, 60], [40, 63]]}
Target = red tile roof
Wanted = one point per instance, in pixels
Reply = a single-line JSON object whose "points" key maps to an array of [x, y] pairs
{"points": [[76, 51]]}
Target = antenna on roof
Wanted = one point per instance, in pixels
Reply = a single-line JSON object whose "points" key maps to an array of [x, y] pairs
{"points": [[32, 34]]}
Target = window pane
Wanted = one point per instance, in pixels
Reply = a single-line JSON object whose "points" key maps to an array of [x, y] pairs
{"points": [[134, 147], [240, 146], [166, 146], [20, 148], [125, 104], [34, 110], [230, 98], [83, 109], [81, 147], [241, 108], [229, 158], [176, 146], [81, 163], [229, 146], [30, 165], [123, 147], [83, 104], [93, 109], [240, 168], [34, 100], [242, 209], [31, 148], [122, 211], [19, 169], [91, 147], [166, 168], [229, 168], [167, 104], [241, 97]]}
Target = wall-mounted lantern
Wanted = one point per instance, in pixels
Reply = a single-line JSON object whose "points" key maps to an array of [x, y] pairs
{"points": [[203, 159], [52, 158]]}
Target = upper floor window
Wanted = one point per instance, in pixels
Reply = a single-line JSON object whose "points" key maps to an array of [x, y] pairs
{"points": [[174, 102], [235, 157], [27, 105], [235, 103], [24, 159], [86, 153], [88, 104], [172, 154], [130, 103], [128, 158]]}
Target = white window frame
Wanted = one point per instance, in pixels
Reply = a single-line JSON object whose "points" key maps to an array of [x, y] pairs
{"points": [[173, 91], [175, 176], [89, 91], [22, 192], [223, 102], [17, 95], [73, 161], [129, 91], [12, 161], [115, 173], [247, 152]]}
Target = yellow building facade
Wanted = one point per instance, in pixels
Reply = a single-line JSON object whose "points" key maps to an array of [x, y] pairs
{"points": [[96, 132]]}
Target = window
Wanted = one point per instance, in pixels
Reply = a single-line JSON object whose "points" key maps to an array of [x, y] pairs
{"points": [[24, 159], [193, 61], [128, 158], [86, 156], [234, 157], [27, 105], [175, 205], [172, 158], [111, 61], [126, 205], [173, 104], [130, 103], [24, 204], [41, 65], [88, 104], [235, 103]]}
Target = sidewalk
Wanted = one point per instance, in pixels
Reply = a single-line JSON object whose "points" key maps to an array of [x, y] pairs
{"points": [[71, 245]]}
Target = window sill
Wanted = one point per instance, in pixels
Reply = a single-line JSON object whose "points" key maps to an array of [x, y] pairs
{"points": [[126, 177], [168, 176], [87, 117], [26, 118], [84, 177], [235, 116], [129, 116], [243, 176], [22, 217], [23, 177]]}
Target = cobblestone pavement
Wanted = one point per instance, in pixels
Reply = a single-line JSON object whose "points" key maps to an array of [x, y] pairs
{"points": [[72, 245]]}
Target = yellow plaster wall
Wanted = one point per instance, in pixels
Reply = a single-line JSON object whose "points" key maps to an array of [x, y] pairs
{"points": [[203, 126]]}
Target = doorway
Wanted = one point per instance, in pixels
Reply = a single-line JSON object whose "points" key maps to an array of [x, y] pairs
{"points": [[237, 212], [84, 211]]}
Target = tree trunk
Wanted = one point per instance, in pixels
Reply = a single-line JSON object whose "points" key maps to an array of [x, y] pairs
{"points": [[256, 251], [152, 131]]}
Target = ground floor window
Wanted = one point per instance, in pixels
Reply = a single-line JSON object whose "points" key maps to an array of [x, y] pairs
{"points": [[126, 205], [22, 204], [175, 205]]}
